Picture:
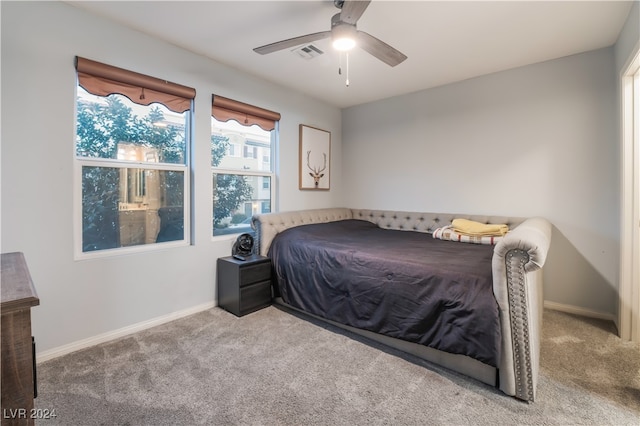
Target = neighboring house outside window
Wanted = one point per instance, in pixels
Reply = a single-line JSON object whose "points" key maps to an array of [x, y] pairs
{"points": [[132, 162], [242, 186], [234, 150]]}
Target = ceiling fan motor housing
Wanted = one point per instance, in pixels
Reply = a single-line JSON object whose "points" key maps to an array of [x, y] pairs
{"points": [[343, 34]]}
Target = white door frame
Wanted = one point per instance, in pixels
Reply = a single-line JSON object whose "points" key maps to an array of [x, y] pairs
{"points": [[629, 291]]}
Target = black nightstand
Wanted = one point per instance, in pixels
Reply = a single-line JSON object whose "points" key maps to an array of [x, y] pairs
{"points": [[244, 286]]}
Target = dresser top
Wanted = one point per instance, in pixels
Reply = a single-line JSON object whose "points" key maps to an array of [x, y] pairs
{"points": [[17, 290]]}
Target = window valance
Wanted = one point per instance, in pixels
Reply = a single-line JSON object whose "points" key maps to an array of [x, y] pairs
{"points": [[103, 80], [225, 109]]}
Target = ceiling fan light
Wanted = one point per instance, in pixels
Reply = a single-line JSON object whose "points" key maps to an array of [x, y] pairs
{"points": [[344, 44], [344, 36]]}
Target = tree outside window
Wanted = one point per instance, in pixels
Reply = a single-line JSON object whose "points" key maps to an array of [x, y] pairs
{"points": [[133, 163]]}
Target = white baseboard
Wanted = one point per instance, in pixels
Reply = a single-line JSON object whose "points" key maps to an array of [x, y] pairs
{"points": [[115, 334], [576, 310]]}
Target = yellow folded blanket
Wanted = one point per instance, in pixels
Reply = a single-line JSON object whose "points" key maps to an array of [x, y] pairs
{"points": [[470, 227]]}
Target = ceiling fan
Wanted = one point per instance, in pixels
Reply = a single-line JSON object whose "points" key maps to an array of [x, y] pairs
{"points": [[345, 35]]}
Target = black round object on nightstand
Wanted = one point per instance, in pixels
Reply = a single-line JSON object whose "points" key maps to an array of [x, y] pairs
{"points": [[243, 245]]}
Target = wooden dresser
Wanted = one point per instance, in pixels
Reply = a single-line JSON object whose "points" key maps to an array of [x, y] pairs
{"points": [[18, 351]]}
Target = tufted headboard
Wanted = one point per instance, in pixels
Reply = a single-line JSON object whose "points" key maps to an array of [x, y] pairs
{"points": [[424, 222], [268, 225]]}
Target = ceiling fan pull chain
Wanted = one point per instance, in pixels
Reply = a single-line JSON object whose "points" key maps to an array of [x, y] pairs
{"points": [[347, 82]]}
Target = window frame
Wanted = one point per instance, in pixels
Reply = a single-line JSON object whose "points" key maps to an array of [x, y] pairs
{"points": [[242, 172], [185, 168], [92, 162]]}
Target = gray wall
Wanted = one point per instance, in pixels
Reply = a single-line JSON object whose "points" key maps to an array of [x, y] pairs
{"points": [[82, 299], [540, 140]]}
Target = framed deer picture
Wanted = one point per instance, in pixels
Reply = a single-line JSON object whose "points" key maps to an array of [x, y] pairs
{"points": [[315, 158]]}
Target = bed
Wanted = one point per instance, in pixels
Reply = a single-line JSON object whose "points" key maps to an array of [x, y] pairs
{"points": [[473, 308]]}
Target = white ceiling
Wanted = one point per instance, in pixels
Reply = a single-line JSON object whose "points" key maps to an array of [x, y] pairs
{"points": [[445, 41]]}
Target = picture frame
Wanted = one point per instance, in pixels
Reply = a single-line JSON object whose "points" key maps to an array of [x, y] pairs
{"points": [[314, 159]]}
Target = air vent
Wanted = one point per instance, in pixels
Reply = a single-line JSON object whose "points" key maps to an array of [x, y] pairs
{"points": [[308, 51]]}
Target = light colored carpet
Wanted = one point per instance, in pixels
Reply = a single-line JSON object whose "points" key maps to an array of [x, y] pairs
{"points": [[274, 368], [587, 354]]}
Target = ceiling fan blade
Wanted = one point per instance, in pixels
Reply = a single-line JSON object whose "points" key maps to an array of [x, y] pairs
{"points": [[380, 49], [292, 42], [352, 10]]}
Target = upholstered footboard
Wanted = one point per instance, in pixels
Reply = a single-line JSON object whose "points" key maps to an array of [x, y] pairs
{"points": [[516, 266], [517, 285]]}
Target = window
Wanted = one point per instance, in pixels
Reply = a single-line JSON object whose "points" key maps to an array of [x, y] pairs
{"points": [[242, 186], [250, 151], [132, 149], [234, 150]]}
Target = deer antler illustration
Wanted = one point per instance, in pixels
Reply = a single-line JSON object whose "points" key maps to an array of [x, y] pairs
{"points": [[316, 174]]}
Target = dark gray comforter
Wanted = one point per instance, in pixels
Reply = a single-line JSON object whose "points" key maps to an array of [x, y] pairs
{"points": [[401, 284]]}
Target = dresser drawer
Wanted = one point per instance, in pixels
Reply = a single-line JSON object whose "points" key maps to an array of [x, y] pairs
{"points": [[255, 273], [255, 296]]}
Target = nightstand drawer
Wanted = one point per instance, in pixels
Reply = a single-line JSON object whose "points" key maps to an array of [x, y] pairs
{"points": [[255, 297], [255, 273]]}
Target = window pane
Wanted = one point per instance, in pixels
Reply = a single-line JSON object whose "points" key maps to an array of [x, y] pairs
{"points": [[114, 127], [234, 146], [236, 199], [130, 206]]}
